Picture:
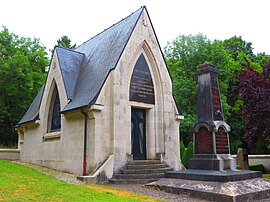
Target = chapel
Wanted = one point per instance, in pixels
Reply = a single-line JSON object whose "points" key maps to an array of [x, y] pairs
{"points": [[104, 104]]}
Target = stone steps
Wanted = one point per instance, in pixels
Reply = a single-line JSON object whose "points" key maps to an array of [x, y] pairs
{"points": [[146, 166], [131, 181], [140, 172], [146, 170], [143, 162], [139, 176]]}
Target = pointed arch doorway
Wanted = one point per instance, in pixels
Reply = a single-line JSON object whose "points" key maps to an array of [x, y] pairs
{"points": [[138, 133], [141, 92]]}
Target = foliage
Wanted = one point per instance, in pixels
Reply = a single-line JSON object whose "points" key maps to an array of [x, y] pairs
{"points": [[236, 45], [22, 73], [182, 150], [20, 183], [256, 167], [266, 176], [65, 42], [254, 89], [186, 153], [186, 53]]}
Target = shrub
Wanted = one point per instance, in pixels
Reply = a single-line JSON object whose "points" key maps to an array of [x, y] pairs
{"points": [[256, 167], [187, 154], [182, 149]]}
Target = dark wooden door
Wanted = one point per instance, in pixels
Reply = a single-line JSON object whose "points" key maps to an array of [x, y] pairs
{"points": [[138, 139]]}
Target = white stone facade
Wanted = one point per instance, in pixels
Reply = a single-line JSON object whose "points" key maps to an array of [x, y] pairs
{"points": [[109, 120]]}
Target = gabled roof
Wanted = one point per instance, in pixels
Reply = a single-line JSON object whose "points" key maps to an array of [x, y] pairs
{"points": [[33, 110], [70, 64], [102, 53], [85, 70]]}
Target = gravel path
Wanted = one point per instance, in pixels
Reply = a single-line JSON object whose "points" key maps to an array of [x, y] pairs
{"points": [[158, 193]]}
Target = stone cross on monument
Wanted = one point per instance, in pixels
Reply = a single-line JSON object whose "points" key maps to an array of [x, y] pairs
{"points": [[211, 140]]}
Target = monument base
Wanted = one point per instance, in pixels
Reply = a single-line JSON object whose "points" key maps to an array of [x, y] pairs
{"points": [[244, 190], [212, 162], [214, 176]]}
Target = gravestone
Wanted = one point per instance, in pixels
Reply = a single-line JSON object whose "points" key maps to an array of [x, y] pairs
{"points": [[242, 159]]}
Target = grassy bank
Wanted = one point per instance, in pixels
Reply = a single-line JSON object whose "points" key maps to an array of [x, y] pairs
{"points": [[21, 183]]}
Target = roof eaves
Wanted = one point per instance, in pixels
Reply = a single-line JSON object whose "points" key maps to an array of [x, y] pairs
{"points": [[36, 115]]}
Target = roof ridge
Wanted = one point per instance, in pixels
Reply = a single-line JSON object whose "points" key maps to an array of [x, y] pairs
{"points": [[56, 46], [90, 95], [142, 7]]}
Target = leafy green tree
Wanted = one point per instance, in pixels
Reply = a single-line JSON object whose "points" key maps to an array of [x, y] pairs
{"points": [[22, 73], [262, 59], [236, 45], [184, 55], [65, 42]]}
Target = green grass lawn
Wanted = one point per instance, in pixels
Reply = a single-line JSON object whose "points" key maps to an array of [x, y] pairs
{"points": [[11, 147], [22, 183], [266, 176]]}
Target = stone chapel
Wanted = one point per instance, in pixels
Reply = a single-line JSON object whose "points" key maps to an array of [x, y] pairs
{"points": [[104, 104]]}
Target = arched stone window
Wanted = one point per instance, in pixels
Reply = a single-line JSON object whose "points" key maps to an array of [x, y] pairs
{"points": [[54, 118], [141, 83]]}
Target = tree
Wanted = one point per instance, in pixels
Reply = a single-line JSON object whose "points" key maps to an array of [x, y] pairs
{"points": [[65, 42], [183, 56], [186, 53], [254, 89], [235, 45], [22, 73]]}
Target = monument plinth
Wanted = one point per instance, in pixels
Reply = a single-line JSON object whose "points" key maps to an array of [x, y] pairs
{"points": [[210, 132]]}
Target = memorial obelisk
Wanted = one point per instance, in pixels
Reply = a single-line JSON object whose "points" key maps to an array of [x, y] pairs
{"points": [[210, 132]]}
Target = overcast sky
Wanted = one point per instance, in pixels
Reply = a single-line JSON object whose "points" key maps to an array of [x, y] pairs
{"points": [[83, 19]]}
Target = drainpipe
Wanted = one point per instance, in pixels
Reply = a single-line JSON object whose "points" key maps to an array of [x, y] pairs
{"points": [[84, 142]]}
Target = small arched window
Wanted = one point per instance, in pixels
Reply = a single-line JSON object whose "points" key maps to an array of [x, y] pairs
{"points": [[54, 118]]}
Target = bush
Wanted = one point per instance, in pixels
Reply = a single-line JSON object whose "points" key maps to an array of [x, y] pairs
{"points": [[186, 155], [256, 167], [182, 149]]}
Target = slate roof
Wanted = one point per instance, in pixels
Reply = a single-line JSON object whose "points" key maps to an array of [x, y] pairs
{"points": [[85, 70], [33, 111], [102, 53], [70, 64]]}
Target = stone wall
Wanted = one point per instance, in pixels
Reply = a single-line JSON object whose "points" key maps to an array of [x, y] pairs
{"points": [[61, 150], [9, 154], [260, 159]]}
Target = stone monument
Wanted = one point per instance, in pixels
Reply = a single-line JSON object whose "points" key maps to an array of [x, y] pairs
{"points": [[212, 172], [211, 140]]}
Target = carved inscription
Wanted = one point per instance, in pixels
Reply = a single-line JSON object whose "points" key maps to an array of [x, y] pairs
{"points": [[141, 84], [222, 141], [216, 99], [203, 142]]}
